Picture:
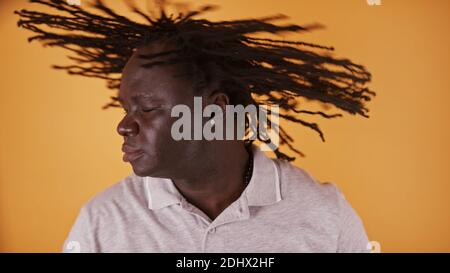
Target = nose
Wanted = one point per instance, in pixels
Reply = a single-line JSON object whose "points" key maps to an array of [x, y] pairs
{"points": [[127, 127]]}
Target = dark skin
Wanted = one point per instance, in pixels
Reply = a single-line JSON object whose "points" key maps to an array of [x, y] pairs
{"points": [[209, 174]]}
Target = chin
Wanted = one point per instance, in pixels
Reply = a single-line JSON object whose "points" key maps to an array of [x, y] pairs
{"points": [[148, 169], [140, 171]]}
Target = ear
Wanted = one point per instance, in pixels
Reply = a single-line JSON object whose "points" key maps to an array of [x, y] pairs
{"points": [[219, 98]]}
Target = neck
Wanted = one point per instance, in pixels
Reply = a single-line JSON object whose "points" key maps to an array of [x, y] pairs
{"points": [[219, 181]]}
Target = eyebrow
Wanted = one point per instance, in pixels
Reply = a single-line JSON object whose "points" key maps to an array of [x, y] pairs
{"points": [[137, 96]]}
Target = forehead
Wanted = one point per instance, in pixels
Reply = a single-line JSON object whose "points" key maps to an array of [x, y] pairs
{"points": [[157, 82]]}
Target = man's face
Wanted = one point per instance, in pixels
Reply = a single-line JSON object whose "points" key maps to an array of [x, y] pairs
{"points": [[147, 96]]}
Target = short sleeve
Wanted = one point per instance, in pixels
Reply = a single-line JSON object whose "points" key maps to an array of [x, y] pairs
{"points": [[352, 236], [81, 236]]}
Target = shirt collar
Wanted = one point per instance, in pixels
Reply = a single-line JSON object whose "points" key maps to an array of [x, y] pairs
{"points": [[263, 188]]}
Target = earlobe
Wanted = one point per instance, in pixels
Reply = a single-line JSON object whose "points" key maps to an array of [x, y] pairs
{"points": [[221, 99]]}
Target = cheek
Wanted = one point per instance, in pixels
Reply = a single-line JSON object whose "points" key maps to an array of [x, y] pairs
{"points": [[155, 133]]}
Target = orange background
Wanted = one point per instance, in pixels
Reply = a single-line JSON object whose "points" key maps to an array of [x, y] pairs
{"points": [[58, 148]]}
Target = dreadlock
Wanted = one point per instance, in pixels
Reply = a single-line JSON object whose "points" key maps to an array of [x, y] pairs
{"points": [[252, 70]]}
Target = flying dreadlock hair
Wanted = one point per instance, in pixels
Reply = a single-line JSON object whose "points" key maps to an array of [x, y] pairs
{"points": [[254, 71]]}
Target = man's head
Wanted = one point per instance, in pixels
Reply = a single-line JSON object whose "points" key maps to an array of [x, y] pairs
{"points": [[248, 69], [148, 95]]}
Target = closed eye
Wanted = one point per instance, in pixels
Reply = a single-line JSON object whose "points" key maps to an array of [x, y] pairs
{"points": [[146, 110]]}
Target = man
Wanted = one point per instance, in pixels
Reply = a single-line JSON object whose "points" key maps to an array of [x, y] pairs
{"points": [[207, 195]]}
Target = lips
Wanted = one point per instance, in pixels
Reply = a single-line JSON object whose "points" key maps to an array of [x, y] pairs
{"points": [[131, 153]]}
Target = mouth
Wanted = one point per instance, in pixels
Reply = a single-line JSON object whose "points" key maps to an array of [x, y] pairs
{"points": [[130, 153]]}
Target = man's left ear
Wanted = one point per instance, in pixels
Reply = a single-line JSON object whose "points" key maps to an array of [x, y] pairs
{"points": [[219, 98]]}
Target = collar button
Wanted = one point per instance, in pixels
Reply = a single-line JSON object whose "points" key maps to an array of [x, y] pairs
{"points": [[212, 230]]}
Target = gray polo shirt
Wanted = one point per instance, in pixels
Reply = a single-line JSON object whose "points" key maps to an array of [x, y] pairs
{"points": [[283, 209]]}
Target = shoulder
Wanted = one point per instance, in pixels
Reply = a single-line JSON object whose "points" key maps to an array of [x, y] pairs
{"points": [[124, 194], [298, 184], [109, 208], [324, 205]]}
